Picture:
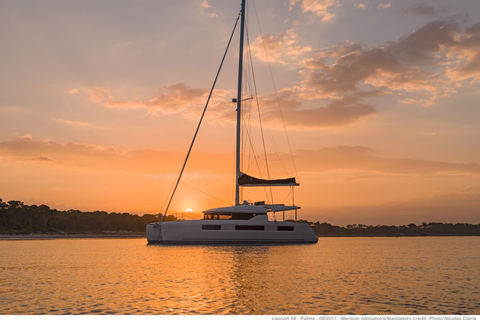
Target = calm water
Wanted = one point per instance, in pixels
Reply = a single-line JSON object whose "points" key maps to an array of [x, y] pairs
{"points": [[334, 276]]}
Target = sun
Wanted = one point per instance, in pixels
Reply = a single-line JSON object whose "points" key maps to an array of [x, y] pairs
{"points": [[189, 210]]}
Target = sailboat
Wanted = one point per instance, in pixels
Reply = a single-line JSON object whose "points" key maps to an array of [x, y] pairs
{"points": [[244, 222]]}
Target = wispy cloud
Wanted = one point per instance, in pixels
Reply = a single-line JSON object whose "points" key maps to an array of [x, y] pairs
{"points": [[421, 9], [207, 10], [96, 157], [175, 99], [73, 91], [384, 6], [172, 99], [453, 206], [279, 48], [75, 123], [12, 110], [338, 112], [361, 6], [321, 8], [364, 5], [354, 158], [363, 159]]}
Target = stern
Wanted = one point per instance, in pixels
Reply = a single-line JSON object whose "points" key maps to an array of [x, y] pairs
{"points": [[154, 233]]}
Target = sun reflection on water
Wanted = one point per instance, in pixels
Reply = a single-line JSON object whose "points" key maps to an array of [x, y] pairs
{"points": [[336, 276]]}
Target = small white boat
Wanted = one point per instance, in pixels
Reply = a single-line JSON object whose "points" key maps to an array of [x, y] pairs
{"points": [[243, 223]]}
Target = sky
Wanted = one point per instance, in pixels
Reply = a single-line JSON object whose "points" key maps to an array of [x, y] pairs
{"points": [[99, 101]]}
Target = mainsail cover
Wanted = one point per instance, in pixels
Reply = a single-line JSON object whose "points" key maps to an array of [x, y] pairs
{"points": [[248, 181]]}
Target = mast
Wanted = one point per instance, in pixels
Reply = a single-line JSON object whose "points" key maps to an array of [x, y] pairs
{"points": [[239, 105]]}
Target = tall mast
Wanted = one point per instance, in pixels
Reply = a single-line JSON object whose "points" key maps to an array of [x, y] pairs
{"points": [[239, 104]]}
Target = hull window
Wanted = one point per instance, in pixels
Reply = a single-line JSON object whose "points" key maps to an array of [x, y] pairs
{"points": [[249, 227], [211, 227], [285, 228]]}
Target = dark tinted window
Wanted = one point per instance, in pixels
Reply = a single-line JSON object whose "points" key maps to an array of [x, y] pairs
{"points": [[211, 227], [285, 228], [249, 228]]}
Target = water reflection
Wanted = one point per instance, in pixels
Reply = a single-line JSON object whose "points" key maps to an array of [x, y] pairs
{"points": [[339, 276]]}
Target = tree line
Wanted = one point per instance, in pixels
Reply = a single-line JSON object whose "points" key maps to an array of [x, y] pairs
{"points": [[17, 217], [423, 229]]}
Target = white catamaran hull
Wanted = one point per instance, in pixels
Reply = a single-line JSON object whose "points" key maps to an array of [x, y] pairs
{"points": [[229, 232]]}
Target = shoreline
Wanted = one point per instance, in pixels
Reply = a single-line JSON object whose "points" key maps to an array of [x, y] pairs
{"points": [[136, 235], [51, 236]]}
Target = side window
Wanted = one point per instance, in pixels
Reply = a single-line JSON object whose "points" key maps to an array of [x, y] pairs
{"points": [[211, 227], [285, 228], [249, 227]]}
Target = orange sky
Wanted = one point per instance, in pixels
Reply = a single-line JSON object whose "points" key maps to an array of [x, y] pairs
{"points": [[99, 102]]}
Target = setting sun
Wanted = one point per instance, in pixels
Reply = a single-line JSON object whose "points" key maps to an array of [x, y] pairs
{"points": [[189, 210]]}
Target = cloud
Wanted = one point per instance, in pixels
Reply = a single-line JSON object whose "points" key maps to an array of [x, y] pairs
{"points": [[448, 207], [464, 55], [426, 43], [446, 45], [26, 137], [95, 157], [419, 102], [363, 159], [372, 7], [206, 10], [339, 112], [73, 91], [354, 158], [347, 164], [280, 48], [75, 123], [360, 6], [321, 8], [341, 79], [377, 67], [43, 159], [425, 61], [346, 74], [172, 99], [421, 9], [384, 6], [12, 110]]}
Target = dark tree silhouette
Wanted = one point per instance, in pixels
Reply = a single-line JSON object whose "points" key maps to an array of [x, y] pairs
{"points": [[16, 217]]}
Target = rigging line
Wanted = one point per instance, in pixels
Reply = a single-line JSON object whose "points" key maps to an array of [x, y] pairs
{"points": [[247, 113], [253, 89], [203, 113], [169, 192], [277, 150], [247, 128], [276, 94], [247, 124], [206, 193], [259, 117], [288, 194]]}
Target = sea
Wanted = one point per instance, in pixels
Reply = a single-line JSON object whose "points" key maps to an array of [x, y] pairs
{"points": [[373, 276]]}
